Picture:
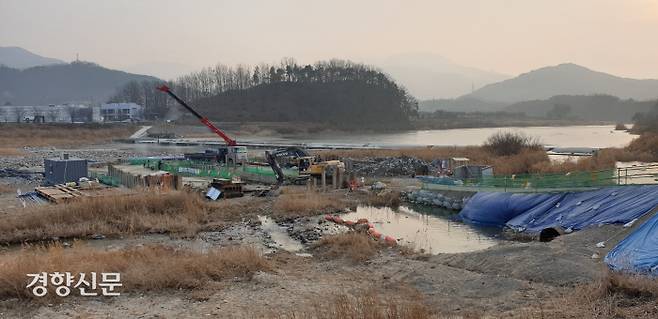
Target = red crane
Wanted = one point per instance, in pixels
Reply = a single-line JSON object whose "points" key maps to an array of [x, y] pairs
{"points": [[203, 119]]}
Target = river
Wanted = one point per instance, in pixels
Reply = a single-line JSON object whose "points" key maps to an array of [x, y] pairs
{"points": [[597, 136]]}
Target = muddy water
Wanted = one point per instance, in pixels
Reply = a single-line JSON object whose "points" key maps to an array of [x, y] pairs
{"points": [[279, 235], [433, 231]]}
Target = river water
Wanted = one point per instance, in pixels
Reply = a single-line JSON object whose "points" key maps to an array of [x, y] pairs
{"points": [[598, 136]]}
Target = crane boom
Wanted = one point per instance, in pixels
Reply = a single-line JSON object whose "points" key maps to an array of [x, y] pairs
{"points": [[203, 119]]}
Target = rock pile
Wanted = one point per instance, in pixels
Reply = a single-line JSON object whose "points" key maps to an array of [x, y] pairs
{"points": [[392, 166], [424, 197]]}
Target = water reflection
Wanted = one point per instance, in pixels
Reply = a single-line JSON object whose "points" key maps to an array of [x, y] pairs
{"points": [[432, 231]]}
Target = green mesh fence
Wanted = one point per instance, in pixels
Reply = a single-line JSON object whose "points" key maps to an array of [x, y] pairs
{"points": [[203, 169], [575, 179]]}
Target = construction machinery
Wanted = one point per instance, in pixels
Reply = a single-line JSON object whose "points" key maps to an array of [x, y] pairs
{"points": [[287, 157], [290, 157], [231, 154]]}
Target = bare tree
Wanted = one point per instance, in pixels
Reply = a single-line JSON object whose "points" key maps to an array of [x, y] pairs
{"points": [[19, 112], [53, 114], [3, 113]]}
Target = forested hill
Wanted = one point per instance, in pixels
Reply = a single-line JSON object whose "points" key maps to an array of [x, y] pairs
{"points": [[339, 93], [341, 104]]}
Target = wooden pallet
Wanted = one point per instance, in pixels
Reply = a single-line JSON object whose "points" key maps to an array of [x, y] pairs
{"points": [[59, 193]]}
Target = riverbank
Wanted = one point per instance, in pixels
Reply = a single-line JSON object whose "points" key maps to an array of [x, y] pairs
{"points": [[517, 279]]}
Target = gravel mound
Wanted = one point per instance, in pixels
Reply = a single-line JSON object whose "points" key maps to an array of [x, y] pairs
{"points": [[392, 166]]}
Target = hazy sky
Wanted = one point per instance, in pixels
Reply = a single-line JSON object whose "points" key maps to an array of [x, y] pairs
{"points": [[508, 36]]}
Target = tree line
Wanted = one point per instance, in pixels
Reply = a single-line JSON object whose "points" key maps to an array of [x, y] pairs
{"points": [[227, 80]]}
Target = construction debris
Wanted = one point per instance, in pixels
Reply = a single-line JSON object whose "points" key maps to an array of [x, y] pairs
{"points": [[226, 188], [59, 193], [393, 166], [133, 176]]}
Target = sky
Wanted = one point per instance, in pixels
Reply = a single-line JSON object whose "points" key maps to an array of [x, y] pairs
{"points": [[505, 36]]}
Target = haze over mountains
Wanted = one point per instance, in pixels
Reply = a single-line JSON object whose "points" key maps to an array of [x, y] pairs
{"points": [[19, 58], [565, 79], [590, 95], [428, 76], [62, 83]]}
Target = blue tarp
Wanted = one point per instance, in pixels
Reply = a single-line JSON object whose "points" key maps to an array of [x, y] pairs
{"points": [[494, 209], [638, 252], [576, 210]]}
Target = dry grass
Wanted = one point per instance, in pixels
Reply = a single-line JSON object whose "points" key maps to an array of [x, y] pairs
{"points": [[641, 149], [475, 153], [298, 202], [236, 209], [355, 246], [644, 147], [145, 268], [11, 152], [7, 188], [387, 198], [14, 135], [506, 143], [371, 305], [615, 295], [173, 212], [621, 127]]}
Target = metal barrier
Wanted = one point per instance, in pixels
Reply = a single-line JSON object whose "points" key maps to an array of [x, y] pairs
{"points": [[637, 174]]}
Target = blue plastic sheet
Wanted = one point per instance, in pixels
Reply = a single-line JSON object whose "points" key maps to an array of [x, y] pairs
{"points": [[638, 252], [494, 209], [578, 210], [573, 210]]}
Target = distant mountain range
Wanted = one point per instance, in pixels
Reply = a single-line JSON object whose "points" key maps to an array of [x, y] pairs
{"points": [[565, 79], [62, 83], [28, 78], [428, 76], [19, 58], [585, 107]]}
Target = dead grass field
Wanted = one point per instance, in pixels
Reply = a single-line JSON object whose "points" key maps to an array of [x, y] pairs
{"points": [[6, 188], [298, 202], [10, 152], [178, 213], [615, 295], [354, 246], [174, 212], [14, 135], [371, 305], [143, 269]]}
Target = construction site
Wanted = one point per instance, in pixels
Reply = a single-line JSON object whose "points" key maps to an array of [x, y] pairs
{"points": [[220, 228]]}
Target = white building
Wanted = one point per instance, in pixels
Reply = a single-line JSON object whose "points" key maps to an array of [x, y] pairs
{"points": [[53, 113], [113, 112]]}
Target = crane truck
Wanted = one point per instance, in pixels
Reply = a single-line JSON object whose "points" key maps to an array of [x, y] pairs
{"points": [[232, 153]]}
